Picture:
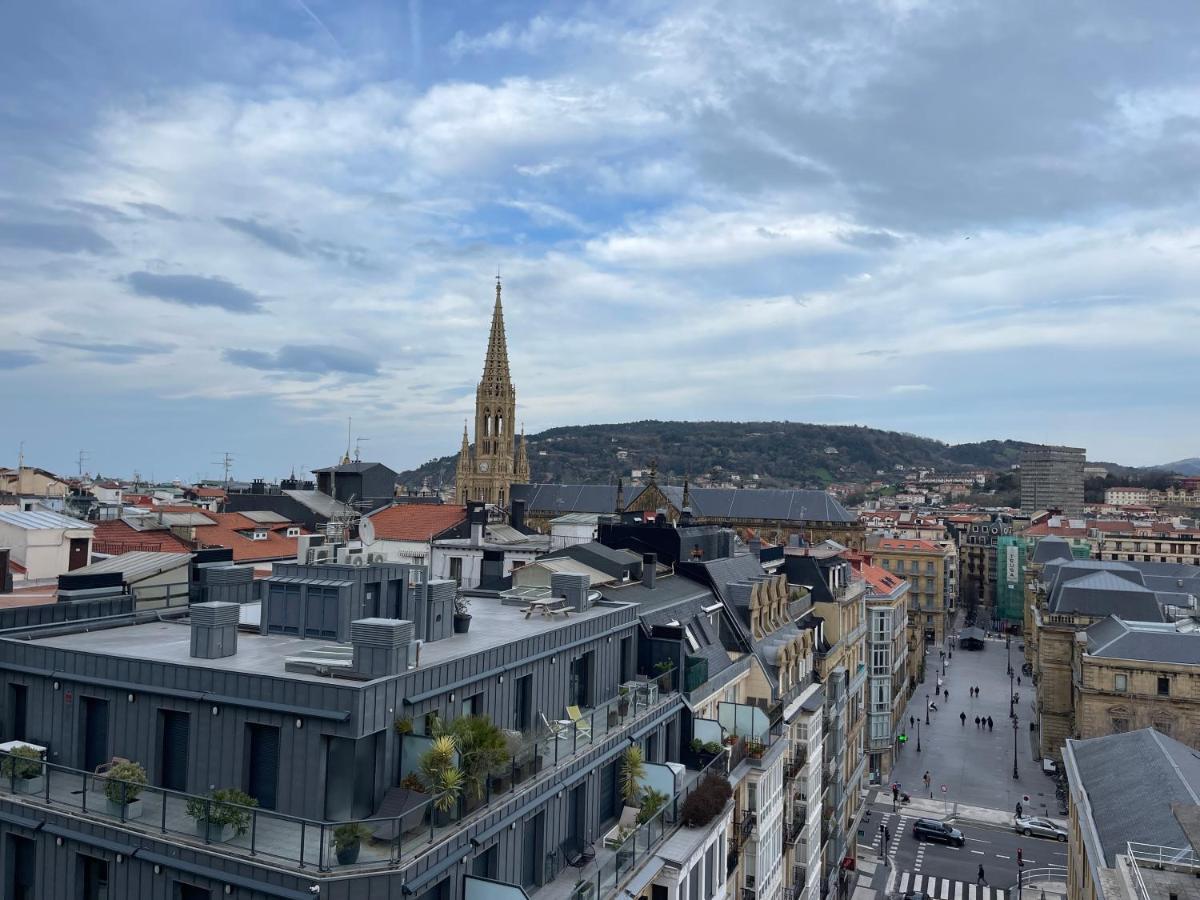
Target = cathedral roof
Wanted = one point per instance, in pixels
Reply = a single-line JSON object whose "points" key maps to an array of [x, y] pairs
{"points": [[495, 365]]}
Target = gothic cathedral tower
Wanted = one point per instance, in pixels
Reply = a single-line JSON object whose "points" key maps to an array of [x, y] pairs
{"points": [[499, 458]]}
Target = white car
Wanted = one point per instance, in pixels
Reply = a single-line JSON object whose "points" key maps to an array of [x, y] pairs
{"points": [[1031, 826]]}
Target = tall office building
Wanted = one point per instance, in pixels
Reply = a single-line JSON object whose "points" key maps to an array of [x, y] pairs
{"points": [[1052, 478]]}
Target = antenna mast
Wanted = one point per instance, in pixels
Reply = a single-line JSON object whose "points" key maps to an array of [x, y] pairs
{"points": [[226, 464]]}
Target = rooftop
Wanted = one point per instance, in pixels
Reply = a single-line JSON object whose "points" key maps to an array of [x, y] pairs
{"points": [[35, 520], [415, 521], [136, 564], [1113, 638]]}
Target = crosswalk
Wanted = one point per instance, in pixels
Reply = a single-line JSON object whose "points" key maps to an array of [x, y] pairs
{"points": [[946, 888]]}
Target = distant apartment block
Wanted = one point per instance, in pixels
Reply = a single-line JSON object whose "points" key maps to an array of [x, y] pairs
{"points": [[1052, 478]]}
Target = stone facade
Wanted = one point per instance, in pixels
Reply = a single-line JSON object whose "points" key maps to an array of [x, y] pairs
{"points": [[499, 458], [1144, 699]]}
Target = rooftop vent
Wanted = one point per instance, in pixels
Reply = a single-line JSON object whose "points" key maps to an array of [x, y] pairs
{"points": [[214, 629], [649, 570], [380, 646], [571, 587]]}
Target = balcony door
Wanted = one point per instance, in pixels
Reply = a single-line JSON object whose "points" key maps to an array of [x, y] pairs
{"points": [[93, 733]]}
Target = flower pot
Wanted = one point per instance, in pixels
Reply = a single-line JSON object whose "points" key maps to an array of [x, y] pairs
{"points": [[35, 785], [348, 854], [218, 833], [623, 707], [132, 810], [461, 623]]}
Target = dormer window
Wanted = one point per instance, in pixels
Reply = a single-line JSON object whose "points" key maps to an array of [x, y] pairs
{"points": [[294, 531], [259, 534]]}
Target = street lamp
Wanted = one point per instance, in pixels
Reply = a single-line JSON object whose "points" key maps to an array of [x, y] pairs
{"points": [[918, 735], [1014, 721], [1011, 715], [926, 709]]}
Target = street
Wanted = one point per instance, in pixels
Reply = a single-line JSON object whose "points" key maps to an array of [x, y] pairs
{"points": [[975, 764], [993, 847]]}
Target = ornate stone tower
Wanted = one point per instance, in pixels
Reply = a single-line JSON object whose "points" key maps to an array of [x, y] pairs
{"points": [[498, 459]]}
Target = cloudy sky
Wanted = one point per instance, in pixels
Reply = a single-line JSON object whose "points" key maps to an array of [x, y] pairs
{"points": [[229, 225]]}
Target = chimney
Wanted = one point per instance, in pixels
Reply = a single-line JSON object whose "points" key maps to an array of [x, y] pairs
{"points": [[214, 629], [660, 518], [572, 588], [649, 564], [380, 646], [517, 518], [477, 517]]}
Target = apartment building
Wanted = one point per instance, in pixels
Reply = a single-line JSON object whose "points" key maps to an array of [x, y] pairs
{"points": [[1133, 813], [1052, 478], [978, 544], [888, 681], [1127, 496], [931, 568], [1157, 543], [1068, 598], [839, 605], [1139, 675]]}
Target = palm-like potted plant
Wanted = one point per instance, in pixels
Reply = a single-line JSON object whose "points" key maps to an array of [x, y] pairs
{"points": [[482, 748], [633, 771], [664, 667], [462, 614], [24, 768], [123, 784], [347, 839], [221, 815], [439, 769]]}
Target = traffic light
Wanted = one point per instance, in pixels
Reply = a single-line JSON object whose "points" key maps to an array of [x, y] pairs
{"points": [[1020, 857], [902, 737]]}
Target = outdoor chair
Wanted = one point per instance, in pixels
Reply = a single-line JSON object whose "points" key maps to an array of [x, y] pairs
{"points": [[577, 854], [557, 729], [401, 811], [579, 720]]}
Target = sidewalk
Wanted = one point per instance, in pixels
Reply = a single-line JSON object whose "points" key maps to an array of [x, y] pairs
{"points": [[936, 809]]}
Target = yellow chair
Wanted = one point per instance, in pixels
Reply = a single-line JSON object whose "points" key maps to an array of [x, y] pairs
{"points": [[578, 719]]}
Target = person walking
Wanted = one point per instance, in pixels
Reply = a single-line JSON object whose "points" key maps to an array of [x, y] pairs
{"points": [[887, 836], [947, 692], [979, 879], [963, 718], [989, 723], [1020, 809], [1018, 681], [977, 721], [926, 779]]}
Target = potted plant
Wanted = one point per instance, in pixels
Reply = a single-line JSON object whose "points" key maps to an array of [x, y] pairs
{"points": [[664, 667], [697, 745], [403, 725], [623, 701], [755, 749], [712, 748], [652, 802], [23, 767], [633, 770], [347, 839], [439, 767], [123, 784], [482, 748], [221, 815], [462, 614], [706, 802]]}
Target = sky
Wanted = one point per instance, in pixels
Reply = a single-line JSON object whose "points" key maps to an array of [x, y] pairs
{"points": [[229, 226]]}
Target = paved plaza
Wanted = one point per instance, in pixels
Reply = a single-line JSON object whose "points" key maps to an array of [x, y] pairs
{"points": [[975, 764]]}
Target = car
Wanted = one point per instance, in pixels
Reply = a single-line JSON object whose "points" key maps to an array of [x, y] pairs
{"points": [[1032, 826], [939, 832]]}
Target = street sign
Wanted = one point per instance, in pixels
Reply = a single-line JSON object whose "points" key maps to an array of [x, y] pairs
{"points": [[944, 789]]}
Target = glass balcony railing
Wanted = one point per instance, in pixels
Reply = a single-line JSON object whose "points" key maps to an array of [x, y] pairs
{"points": [[298, 842]]}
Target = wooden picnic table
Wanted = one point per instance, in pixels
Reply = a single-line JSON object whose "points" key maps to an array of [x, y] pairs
{"points": [[547, 607]]}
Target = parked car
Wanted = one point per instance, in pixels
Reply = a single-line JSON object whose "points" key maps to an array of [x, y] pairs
{"points": [[939, 832], [1031, 826]]}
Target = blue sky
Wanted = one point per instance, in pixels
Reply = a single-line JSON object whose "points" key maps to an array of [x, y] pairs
{"points": [[228, 226]]}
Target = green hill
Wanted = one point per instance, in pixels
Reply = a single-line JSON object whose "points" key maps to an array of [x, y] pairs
{"points": [[782, 454]]}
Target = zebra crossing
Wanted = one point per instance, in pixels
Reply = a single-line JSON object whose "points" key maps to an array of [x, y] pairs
{"points": [[946, 888], [897, 829]]}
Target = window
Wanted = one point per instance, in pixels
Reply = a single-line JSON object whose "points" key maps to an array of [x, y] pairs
{"points": [[190, 892], [1164, 686], [293, 531], [1120, 682], [1120, 724], [456, 570], [691, 638]]}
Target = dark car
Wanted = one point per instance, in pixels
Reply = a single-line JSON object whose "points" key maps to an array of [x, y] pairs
{"points": [[938, 832]]}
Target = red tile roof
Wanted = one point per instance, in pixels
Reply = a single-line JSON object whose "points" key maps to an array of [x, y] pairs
{"points": [[415, 521], [227, 533], [881, 581], [117, 537], [216, 492], [908, 544]]}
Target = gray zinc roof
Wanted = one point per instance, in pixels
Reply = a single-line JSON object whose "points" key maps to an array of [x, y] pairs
{"points": [[321, 504], [568, 498], [1133, 802], [1115, 639], [137, 564], [38, 520], [761, 503], [1104, 594], [1052, 547]]}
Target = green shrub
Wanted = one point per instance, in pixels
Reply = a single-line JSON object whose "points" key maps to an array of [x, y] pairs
{"points": [[348, 835], [124, 781], [22, 762], [652, 802], [227, 806], [706, 801]]}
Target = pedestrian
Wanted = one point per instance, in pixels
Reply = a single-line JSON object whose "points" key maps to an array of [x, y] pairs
{"points": [[977, 721], [947, 692], [1018, 681], [1020, 809], [963, 717], [887, 836], [989, 723], [895, 792], [979, 879], [926, 779], [912, 721]]}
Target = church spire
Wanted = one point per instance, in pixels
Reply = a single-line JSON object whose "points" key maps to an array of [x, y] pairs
{"points": [[522, 470], [495, 366]]}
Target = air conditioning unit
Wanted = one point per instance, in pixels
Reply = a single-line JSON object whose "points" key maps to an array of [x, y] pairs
{"points": [[357, 560], [376, 558], [317, 555]]}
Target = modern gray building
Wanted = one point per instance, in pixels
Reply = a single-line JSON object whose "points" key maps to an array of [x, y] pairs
{"points": [[322, 701], [1052, 478]]}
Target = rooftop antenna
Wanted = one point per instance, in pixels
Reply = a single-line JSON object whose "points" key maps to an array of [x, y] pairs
{"points": [[20, 459], [346, 456], [226, 463], [83, 454], [358, 448]]}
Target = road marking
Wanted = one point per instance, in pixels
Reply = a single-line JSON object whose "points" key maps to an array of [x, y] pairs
{"points": [[971, 889], [978, 841], [958, 890], [904, 883], [945, 892], [917, 881], [979, 853], [1002, 856]]}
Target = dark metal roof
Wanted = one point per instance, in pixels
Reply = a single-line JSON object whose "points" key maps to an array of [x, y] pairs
{"points": [[1116, 639]]}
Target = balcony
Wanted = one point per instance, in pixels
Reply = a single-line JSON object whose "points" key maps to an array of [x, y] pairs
{"points": [[795, 763], [615, 866], [743, 827], [295, 842]]}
